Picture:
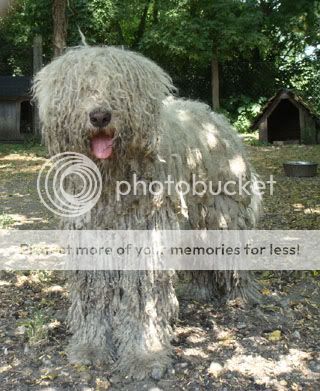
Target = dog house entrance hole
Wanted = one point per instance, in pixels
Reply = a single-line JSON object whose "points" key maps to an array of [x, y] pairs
{"points": [[26, 117], [284, 122]]}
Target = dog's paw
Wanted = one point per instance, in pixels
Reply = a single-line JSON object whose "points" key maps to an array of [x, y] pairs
{"points": [[143, 367], [86, 354]]}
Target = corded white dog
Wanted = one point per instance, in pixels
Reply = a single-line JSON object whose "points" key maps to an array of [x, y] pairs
{"points": [[116, 107]]}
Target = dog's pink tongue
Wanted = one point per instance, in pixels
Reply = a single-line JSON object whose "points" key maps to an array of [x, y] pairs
{"points": [[101, 146]]}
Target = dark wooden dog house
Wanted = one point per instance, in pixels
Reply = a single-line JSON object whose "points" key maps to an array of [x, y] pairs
{"points": [[287, 118], [15, 108]]}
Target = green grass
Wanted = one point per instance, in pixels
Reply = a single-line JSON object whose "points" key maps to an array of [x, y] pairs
{"points": [[257, 143], [252, 138], [27, 148], [36, 328]]}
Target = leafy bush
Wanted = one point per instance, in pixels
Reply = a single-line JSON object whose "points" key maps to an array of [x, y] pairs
{"points": [[247, 113]]}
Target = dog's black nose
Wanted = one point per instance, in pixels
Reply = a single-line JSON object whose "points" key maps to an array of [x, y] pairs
{"points": [[99, 119]]}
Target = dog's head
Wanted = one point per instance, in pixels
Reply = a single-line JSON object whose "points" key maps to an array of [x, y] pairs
{"points": [[101, 101]]}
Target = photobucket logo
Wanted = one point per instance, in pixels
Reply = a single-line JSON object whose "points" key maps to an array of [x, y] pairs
{"points": [[69, 184], [196, 187]]}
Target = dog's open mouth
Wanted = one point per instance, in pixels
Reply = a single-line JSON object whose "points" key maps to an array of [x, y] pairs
{"points": [[101, 145]]}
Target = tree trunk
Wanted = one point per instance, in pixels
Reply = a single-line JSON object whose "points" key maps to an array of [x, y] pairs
{"points": [[118, 29], [155, 12], [142, 25], [5, 6], [123, 319], [37, 65], [215, 83], [59, 26]]}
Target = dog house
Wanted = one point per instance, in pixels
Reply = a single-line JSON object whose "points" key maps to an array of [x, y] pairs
{"points": [[15, 108], [288, 119]]}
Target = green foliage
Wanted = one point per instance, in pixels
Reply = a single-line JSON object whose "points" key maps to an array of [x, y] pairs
{"points": [[306, 80], [260, 45], [27, 18], [247, 111], [291, 26], [195, 30], [5, 221], [36, 328]]}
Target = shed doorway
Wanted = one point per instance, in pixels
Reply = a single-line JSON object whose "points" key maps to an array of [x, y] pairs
{"points": [[284, 122], [26, 117]]}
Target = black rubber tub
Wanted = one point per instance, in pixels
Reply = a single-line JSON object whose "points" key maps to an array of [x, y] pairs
{"points": [[300, 168]]}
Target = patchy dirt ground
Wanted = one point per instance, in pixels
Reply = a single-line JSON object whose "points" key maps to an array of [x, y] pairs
{"points": [[20, 207], [270, 346], [295, 203]]}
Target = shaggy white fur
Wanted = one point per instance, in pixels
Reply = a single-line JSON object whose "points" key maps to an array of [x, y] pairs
{"points": [[124, 318]]}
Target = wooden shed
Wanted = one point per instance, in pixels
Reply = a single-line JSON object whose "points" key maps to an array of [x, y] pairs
{"points": [[15, 108], [287, 118]]}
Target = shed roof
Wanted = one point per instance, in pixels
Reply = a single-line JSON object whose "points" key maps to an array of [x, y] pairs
{"points": [[273, 102], [15, 87]]}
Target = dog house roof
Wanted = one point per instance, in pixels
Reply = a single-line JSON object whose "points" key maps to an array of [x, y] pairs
{"points": [[12, 88], [275, 100]]}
